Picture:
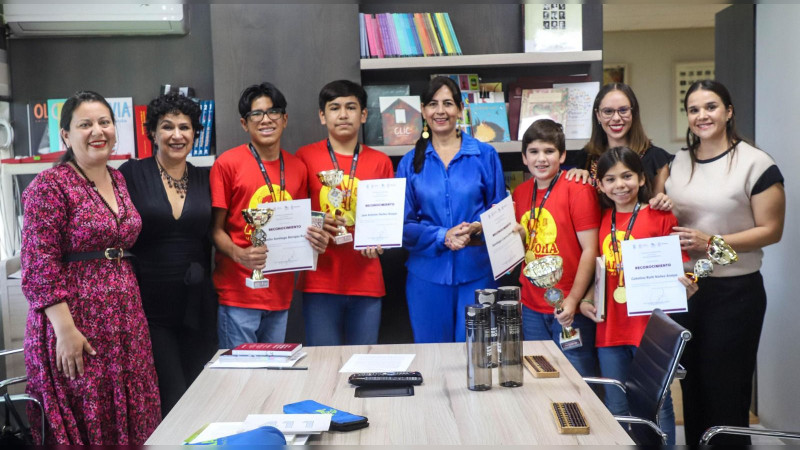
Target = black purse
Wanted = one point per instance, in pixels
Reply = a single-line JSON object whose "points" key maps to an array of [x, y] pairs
{"points": [[14, 431]]}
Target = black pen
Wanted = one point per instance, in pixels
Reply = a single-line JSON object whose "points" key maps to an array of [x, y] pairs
{"points": [[287, 368]]}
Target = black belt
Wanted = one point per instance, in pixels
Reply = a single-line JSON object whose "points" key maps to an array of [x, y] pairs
{"points": [[109, 253]]}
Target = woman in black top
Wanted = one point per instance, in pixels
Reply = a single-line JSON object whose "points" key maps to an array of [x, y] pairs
{"points": [[173, 251]]}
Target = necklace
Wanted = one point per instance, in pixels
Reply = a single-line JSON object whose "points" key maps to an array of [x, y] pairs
{"points": [[117, 219], [180, 185]]}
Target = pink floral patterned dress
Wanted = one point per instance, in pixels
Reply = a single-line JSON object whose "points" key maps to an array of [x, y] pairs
{"points": [[116, 401]]}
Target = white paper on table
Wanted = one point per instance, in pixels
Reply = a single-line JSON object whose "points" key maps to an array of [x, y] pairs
{"points": [[289, 250], [652, 267], [580, 114], [380, 207], [256, 365], [375, 362], [217, 430], [503, 243], [290, 423]]}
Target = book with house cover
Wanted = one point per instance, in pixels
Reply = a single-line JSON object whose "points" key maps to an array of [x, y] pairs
{"points": [[373, 129], [401, 117], [266, 349]]}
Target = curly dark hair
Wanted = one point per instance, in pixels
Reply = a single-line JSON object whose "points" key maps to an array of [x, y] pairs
{"points": [[172, 104]]}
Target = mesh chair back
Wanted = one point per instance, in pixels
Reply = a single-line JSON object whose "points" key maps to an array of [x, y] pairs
{"points": [[653, 368]]}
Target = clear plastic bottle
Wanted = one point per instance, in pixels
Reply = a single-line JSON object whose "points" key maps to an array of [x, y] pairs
{"points": [[488, 297], [509, 326], [479, 374]]}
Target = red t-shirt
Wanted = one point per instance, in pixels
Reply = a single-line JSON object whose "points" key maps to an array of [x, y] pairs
{"points": [[236, 184], [618, 328], [341, 269], [572, 207]]}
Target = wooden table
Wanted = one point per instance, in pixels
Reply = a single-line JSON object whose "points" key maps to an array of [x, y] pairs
{"points": [[441, 412]]}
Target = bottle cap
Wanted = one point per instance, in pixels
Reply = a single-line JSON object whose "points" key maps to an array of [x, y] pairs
{"points": [[508, 309], [485, 296], [477, 313]]}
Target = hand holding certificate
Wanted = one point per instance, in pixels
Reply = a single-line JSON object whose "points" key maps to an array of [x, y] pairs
{"points": [[652, 268], [502, 241], [289, 250], [380, 207]]}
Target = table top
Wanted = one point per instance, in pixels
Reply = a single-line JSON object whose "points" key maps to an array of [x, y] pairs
{"points": [[441, 412]]}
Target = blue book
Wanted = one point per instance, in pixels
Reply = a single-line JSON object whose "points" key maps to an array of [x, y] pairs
{"points": [[401, 34], [452, 33], [489, 122], [209, 128], [414, 36]]}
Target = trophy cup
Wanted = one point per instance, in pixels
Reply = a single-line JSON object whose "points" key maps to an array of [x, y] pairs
{"points": [[257, 218], [718, 252], [545, 272], [331, 179]]}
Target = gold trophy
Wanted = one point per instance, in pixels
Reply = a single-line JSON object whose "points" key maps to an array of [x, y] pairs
{"points": [[545, 272], [718, 252], [257, 218], [332, 178]]}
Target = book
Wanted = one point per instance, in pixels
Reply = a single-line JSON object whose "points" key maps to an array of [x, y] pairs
{"points": [[553, 27], [208, 128], [228, 356], [538, 82], [489, 122], [266, 349], [373, 129], [54, 106], [38, 134], [513, 178], [122, 107], [250, 362], [144, 148], [580, 100], [542, 104], [401, 117]]}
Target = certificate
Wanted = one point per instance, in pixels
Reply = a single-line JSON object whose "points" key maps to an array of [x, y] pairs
{"points": [[380, 208], [652, 267], [289, 250], [504, 244]]}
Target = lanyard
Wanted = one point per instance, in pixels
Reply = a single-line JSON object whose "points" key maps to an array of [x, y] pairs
{"points": [[614, 245], [353, 165], [266, 177], [534, 219]]}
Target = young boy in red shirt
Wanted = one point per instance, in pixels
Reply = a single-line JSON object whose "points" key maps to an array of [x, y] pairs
{"points": [[243, 178], [560, 217], [342, 298]]}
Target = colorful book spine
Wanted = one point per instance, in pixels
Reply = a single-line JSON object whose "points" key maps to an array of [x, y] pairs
{"points": [[412, 31], [387, 35], [437, 44], [362, 36], [144, 148], [376, 30], [452, 34], [209, 128], [424, 40]]}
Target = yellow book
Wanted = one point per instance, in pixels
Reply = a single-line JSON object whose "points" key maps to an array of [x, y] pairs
{"points": [[447, 41]]}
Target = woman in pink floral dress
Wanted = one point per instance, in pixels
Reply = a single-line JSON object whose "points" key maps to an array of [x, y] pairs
{"points": [[87, 347]]}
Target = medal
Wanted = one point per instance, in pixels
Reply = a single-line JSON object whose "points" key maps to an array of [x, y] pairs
{"points": [[529, 256], [533, 217], [619, 294]]}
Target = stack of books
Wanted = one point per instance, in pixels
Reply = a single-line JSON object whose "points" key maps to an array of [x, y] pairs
{"points": [[255, 355], [391, 35]]}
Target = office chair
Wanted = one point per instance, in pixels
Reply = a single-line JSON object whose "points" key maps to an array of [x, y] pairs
{"points": [[651, 372], [746, 431], [19, 397]]}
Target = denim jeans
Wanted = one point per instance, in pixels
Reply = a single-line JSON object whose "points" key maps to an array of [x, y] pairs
{"points": [[614, 363], [242, 325], [537, 326], [333, 319]]}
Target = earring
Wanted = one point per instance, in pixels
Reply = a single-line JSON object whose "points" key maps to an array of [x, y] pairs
{"points": [[425, 134], [458, 132]]}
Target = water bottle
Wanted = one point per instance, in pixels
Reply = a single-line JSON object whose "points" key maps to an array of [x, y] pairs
{"points": [[509, 327], [508, 293], [488, 297], [479, 374]]}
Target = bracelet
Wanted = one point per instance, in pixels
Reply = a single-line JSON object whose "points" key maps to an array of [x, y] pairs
{"points": [[587, 300]]}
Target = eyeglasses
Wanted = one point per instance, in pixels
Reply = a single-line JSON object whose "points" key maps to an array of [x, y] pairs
{"points": [[257, 115], [608, 113]]}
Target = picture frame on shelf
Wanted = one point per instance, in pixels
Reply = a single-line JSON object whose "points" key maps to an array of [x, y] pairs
{"points": [[687, 73], [615, 73]]}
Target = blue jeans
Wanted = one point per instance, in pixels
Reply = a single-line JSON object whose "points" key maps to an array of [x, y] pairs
{"points": [[614, 363], [243, 325], [333, 319], [437, 310], [537, 326]]}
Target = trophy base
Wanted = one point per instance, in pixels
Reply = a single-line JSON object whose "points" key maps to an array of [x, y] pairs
{"points": [[340, 239], [571, 342], [256, 284]]}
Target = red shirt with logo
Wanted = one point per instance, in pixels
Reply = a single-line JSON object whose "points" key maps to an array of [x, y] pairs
{"points": [[236, 184], [572, 207], [618, 328], [341, 269]]}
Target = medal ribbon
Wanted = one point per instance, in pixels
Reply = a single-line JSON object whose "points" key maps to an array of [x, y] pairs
{"points": [[534, 218], [614, 245], [351, 181], [266, 176]]}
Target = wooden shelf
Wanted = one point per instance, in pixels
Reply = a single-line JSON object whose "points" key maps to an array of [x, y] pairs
{"points": [[501, 147], [490, 60]]}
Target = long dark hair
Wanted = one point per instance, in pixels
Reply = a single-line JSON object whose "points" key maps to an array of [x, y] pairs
{"points": [[633, 162], [427, 95], [692, 140], [637, 138], [68, 110]]}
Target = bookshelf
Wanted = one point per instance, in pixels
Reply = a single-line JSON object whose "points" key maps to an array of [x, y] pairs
{"points": [[482, 61], [501, 147]]}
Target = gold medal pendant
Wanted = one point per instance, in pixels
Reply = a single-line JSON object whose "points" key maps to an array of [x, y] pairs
{"points": [[529, 256], [619, 295]]}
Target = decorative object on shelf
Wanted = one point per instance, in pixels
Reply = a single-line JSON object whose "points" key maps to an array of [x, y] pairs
{"points": [[615, 73], [686, 74], [389, 35], [373, 130], [580, 99], [553, 27], [402, 119], [538, 104]]}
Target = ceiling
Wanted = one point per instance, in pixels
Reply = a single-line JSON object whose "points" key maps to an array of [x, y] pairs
{"points": [[659, 16]]}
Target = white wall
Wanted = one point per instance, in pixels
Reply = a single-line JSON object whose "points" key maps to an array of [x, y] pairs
{"points": [[777, 119], [651, 56]]}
